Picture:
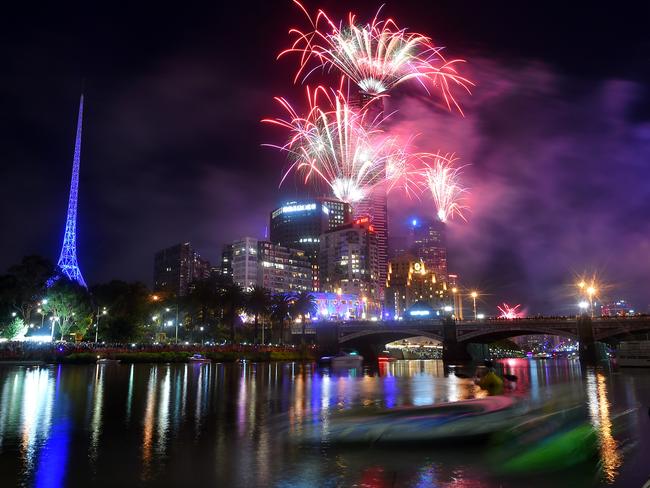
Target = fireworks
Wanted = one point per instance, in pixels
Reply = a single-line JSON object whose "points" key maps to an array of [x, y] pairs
{"points": [[376, 56], [508, 312], [337, 145], [442, 179]]}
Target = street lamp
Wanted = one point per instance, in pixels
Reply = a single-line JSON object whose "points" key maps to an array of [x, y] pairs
{"points": [[591, 291], [454, 290], [53, 319], [104, 312], [201, 329], [474, 295]]}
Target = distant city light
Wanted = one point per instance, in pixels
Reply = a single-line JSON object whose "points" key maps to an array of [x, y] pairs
{"points": [[480, 316]]}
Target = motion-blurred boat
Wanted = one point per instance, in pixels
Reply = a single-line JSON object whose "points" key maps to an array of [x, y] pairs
{"points": [[467, 419], [343, 360], [107, 361], [199, 358], [634, 354]]}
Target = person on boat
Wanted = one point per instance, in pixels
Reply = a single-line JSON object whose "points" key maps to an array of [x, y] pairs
{"points": [[489, 380]]}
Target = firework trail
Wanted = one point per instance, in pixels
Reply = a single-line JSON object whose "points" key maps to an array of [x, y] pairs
{"points": [[442, 179], [336, 145], [508, 312], [376, 56]]}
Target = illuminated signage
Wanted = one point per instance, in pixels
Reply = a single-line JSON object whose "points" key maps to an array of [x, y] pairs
{"points": [[419, 313], [298, 208]]}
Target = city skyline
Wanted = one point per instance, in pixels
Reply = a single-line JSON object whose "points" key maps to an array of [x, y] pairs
{"points": [[153, 204]]}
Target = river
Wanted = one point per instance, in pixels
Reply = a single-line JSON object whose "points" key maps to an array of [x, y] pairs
{"points": [[235, 425]]}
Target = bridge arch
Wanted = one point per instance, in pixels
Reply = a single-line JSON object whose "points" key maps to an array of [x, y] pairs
{"points": [[390, 334], [495, 333]]}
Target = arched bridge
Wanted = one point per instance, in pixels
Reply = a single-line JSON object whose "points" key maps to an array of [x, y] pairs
{"points": [[456, 334]]}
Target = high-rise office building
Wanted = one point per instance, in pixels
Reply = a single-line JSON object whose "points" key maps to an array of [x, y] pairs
{"points": [[375, 207], [226, 261], [283, 269], [277, 268], [299, 225], [410, 281], [428, 244], [176, 267], [348, 260]]}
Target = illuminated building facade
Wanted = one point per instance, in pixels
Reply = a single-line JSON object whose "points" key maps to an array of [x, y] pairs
{"points": [[283, 269], [299, 225], [428, 243], [453, 288], [176, 267], [335, 307], [279, 269], [348, 260], [375, 207], [226, 261], [409, 282]]}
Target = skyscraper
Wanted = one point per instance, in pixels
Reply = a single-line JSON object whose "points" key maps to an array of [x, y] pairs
{"points": [[279, 269], [428, 244], [348, 260], [375, 207], [67, 263], [299, 225], [176, 267]]}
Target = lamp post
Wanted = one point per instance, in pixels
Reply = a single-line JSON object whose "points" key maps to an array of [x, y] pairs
{"points": [[97, 323], [591, 291], [474, 295], [53, 319], [201, 329], [454, 290]]}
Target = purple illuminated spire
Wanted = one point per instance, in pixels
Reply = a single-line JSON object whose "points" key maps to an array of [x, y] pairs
{"points": [[68, 259]]}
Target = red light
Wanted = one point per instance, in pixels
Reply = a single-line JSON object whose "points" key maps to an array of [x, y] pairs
{"points": [[371, 228]]}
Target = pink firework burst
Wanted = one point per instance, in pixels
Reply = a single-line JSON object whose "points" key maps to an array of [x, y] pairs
{"points": [[508, 312], [337, 145], [375, 56]]}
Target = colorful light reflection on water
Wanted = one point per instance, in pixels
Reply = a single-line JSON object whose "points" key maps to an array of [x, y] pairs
{"points": [[229, 425]]}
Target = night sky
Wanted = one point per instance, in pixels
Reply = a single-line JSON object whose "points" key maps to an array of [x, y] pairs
{"points": [[556, 135]]}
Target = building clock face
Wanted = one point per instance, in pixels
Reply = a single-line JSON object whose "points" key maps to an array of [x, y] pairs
{"points": [[417, 266]]}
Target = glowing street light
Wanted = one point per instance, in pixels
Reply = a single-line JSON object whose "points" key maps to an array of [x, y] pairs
{"points": [[474, 294], [104, 312]]}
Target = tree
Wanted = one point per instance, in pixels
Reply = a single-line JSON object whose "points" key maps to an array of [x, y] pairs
{"points": [[280, 305], [69, 303], [202, 303], [15, 329], [25, 284], [258, 303], [303, 304], [232, 302], [127, 308]]}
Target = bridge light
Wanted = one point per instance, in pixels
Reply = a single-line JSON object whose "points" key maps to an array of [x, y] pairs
{"points": [[448, 308], [480, 316], [583, 305]]}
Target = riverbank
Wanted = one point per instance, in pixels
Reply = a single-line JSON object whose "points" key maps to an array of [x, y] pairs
{"points": [[143, 353]]}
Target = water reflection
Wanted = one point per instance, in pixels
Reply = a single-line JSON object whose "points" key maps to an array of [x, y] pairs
{"points": [[599, 410], [231, 424]]}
